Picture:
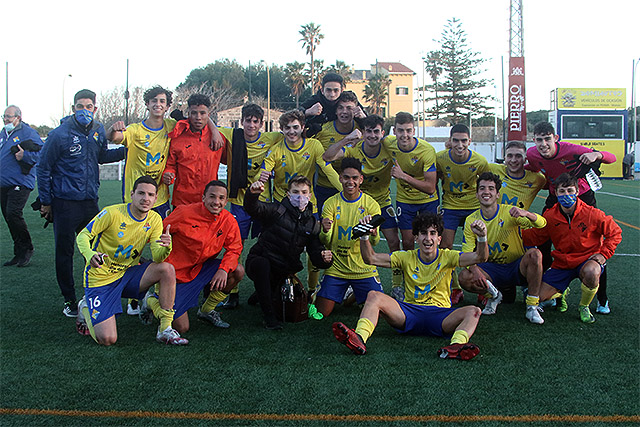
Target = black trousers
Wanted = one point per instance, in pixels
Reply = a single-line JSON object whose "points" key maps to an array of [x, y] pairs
{"points": [[69, 218], [13, 200], [266, 280]]}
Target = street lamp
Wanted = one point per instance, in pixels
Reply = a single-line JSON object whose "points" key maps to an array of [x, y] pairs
{"points": [[268, 127], [634, 100], [63, 82]]}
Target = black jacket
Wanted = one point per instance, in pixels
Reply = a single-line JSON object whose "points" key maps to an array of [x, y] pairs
{"points": [[314, 123], [286, 232]]}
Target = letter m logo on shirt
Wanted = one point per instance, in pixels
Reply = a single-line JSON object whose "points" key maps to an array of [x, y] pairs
{"points": [[344, 233], [153, 159], [419, 292], [287, 176], [456, 185], [495, 248], [123, 251], [507, 201]]}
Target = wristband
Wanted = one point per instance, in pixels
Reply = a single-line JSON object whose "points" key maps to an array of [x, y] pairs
{"points": [[482, 239], [365, 237]]}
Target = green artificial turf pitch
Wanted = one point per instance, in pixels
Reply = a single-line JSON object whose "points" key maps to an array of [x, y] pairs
{"points": [[302, 375]]}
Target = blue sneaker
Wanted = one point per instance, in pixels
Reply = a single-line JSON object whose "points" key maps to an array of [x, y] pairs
{"points": [[603, 309]]}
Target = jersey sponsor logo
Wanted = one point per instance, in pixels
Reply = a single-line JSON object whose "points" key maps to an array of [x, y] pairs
{"points": [[361, 210], [507, 201], [458, 186], [126, 252], [287, 176], [419, 292], [495, 248], [155, 159], [414, 160], [342, 232], [103, 213], [500, 222]]}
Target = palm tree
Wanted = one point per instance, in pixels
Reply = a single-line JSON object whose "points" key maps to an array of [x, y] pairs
{"points": [[311, 37], [376, 91], [341, 68], [295, 78]]}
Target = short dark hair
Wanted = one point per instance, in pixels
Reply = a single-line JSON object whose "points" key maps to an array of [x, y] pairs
{"points": [[348, 96], [149, 94], [199, 99], [85, 94], [299, 180], [403, 118], [424, 221], [252, 110], [566, 180], [214, 183], [350, 162], [290, 116], [489, 176], [144, 179], [460, 128], [517, 144], [372, 122], [332, 77], [544, 128]]}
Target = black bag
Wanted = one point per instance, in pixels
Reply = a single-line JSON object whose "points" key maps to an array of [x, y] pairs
{"points": [[291, 305]]}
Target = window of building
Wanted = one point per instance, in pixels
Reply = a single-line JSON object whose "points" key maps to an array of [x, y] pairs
{"points": [[402, 90]]}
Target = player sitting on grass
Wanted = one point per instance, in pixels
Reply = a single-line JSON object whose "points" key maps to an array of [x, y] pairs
{"points": [[200, 232], [426, 309], [584, 239], [111, 244]]}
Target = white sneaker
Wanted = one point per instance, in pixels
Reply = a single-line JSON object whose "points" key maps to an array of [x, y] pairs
{"points": [[214, 318], [171, 336], [492, 304], [133, 309], [533, 314], [146, 314]]}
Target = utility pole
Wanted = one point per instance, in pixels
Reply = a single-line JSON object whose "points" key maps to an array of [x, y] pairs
{"points": [[126, 98], [517, 115]]}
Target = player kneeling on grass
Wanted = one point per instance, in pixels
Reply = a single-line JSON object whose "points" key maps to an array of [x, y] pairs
{"points": [[426, 309], [200, 231], [112, 244], [584, 239]]}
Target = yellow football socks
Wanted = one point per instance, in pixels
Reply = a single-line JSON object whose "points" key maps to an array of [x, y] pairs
{"points": [[364, 328], [214, 298], [234, 290], [587, 295], [533, 300], [164, 316], [460, 337]]}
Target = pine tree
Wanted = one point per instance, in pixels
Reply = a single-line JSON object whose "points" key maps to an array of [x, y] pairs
{"points": [[459, 84]]}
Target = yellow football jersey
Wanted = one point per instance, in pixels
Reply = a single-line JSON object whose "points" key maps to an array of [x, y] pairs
{"points": [[147, 152], [287, 163], [376, 171], [256, 152], [328, 136], [116, 233], [459, 179], [520, 192], [347, 260], [504, 234], [415, 162], [426, 283]]}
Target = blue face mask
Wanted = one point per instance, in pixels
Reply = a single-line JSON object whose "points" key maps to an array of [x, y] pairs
{"points": [[9, 127], [84, 117], [567, 200]]}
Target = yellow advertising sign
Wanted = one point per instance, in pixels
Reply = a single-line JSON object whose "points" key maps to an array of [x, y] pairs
{"points": [[615, 147], [593, 98]]}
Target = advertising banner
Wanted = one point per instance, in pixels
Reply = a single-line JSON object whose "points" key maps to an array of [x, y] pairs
{"points": [[591, 98], [517, 118]]}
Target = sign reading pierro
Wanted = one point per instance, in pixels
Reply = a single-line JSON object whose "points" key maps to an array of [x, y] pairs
{"points": [[517, 116]]}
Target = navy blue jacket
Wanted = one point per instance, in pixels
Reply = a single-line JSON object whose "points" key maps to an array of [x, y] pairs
{"points": [[68, 167], [11, 173]]}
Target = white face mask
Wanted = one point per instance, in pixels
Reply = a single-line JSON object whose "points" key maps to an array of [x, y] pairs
{"points": [[299, 201], [9, 127]]}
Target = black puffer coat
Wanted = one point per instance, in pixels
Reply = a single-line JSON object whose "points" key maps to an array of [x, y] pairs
{"points": [[286, 232]]}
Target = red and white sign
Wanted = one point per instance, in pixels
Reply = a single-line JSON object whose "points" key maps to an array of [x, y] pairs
{"points": [[517, 116]]}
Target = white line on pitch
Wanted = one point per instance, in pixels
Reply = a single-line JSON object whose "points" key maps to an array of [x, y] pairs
{"points": [[618, 195]]}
